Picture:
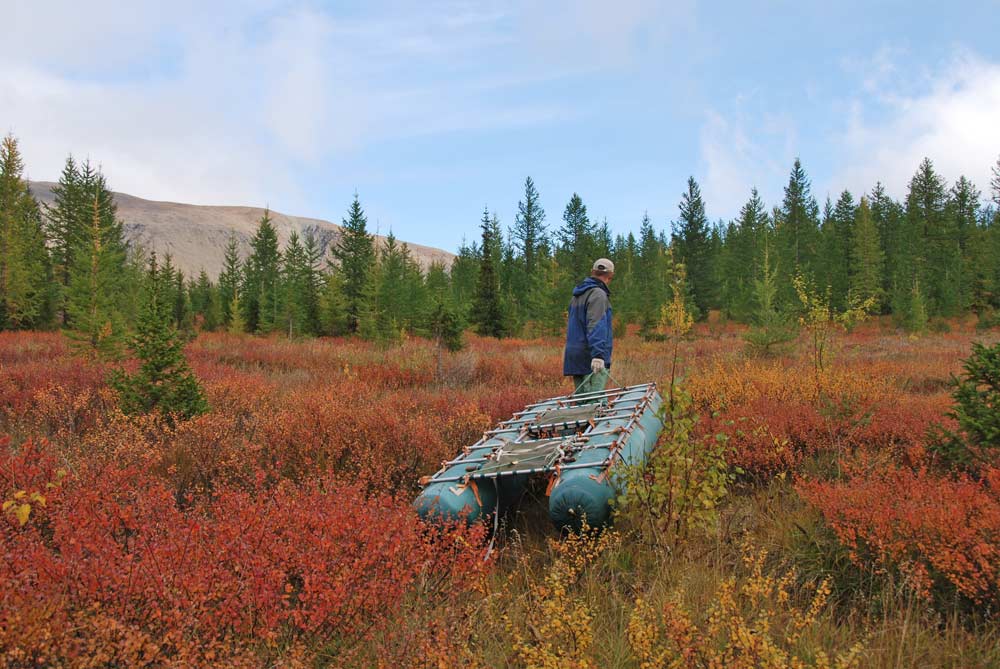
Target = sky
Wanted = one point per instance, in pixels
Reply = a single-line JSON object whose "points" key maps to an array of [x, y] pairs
{"points": [[433, 110]]}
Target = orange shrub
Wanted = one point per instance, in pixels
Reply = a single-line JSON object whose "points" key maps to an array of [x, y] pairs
{"points": [[941, 532]]}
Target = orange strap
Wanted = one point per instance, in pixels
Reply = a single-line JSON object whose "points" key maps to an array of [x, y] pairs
{"points": [[553, 481]]}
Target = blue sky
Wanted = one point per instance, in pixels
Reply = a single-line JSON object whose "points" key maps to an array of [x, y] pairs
{"points": [[433, 110]]}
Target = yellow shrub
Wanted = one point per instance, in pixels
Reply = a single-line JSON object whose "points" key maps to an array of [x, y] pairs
{"points": [[752, 624], [556, 631]]}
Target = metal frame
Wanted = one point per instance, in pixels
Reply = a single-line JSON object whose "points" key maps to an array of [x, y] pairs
{"points": [[577, 442]]}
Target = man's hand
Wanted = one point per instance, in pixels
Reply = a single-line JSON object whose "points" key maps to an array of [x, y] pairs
{"points": [[596, 365]]}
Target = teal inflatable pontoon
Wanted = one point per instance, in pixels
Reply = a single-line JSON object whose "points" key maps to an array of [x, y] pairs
{"points": [[579, 442]]}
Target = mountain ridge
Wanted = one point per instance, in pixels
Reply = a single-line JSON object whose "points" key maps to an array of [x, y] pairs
{"points": [[196, 235]]}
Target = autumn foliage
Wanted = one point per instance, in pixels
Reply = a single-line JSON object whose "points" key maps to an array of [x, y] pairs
{"points": [[276, 529]]}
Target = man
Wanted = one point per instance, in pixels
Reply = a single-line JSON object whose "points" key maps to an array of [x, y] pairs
{"points": [[588, 332]]}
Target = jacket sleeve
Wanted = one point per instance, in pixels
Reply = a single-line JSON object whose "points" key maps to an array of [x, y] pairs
{"points": [[598, 325]]}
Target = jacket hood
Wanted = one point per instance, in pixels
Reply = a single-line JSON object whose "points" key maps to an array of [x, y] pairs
{"points": [[587, 284]]}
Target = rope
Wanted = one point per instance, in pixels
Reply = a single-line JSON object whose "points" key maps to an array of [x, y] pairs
{"points": [[587, 378]]}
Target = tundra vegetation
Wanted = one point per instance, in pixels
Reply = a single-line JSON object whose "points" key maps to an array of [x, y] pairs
{"points": [[188, 479]]}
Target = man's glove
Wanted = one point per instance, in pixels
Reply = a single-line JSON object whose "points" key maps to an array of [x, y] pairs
{"points": [[596, 365]]}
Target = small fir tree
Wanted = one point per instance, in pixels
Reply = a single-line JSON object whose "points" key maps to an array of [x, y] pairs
{"points": [[976, 412], [164, 383], [866, 256]]}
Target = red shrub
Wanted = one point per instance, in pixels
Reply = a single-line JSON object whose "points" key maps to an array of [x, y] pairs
{"points": [[268, 565], [935, 529]]}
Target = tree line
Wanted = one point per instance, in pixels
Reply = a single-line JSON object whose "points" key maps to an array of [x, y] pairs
{"points": [[935, 254]]}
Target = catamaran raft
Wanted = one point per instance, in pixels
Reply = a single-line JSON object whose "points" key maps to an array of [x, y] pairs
{"points": [[579, 441]]}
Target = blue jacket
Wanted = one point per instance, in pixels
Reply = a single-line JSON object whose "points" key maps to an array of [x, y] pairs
{"points": [[588, 332]]}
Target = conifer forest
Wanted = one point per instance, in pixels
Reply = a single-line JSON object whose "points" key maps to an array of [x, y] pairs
{"points": [[219, 471]]}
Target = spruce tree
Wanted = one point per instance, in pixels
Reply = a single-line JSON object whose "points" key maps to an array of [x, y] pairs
{"points": [[797, 233], [963, 210], [529, 229], [487, 313], [415, 294], [333, 306], [693, 248], [293, 292], [25, 297], [203, 296], [576, 241], [261, 279], [838, 236], [744, 246], [164, 383], [464, 274], [295, 288], [312, 282], [66, 219], [437, 282], [887, 215], [393, 310], [354, 254], [183, 312], [652, 272], [625, 251], [937, 256]]}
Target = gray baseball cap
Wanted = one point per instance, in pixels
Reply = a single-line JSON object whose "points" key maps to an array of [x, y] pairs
{"points": [[604, 265]]}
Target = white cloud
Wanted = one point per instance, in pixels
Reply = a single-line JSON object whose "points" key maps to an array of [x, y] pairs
{"points": [[952, 121], [738, 154], [594, 34], [221, 102]]}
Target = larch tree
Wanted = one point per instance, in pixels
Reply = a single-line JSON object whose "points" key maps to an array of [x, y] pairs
{"points": [[25, 297], [97, 269], [866, 256]]}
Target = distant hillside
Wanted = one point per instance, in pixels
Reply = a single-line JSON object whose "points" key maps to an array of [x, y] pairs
{"points": [[195, 236]]}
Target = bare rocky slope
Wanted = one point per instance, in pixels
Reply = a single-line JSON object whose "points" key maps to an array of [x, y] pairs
{"points": [[195, 235]]}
